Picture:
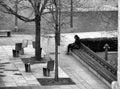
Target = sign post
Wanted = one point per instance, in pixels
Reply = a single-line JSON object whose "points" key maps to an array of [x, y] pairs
{"points": [[106, 47]]}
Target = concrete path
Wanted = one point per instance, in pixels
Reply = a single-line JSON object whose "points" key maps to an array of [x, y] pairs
{"points": [[13, 75]]}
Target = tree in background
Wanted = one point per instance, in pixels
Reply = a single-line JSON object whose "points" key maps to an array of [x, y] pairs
{"points": [[53, 22], [38, 6], [55, 2], [4, 18]]}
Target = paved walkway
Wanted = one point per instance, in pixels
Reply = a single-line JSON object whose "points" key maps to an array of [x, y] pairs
{"points": [[13, 75]]}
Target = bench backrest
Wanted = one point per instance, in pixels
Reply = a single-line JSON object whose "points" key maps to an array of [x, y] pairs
{"points": [[50, 65], [5, 31], [24, 43]]}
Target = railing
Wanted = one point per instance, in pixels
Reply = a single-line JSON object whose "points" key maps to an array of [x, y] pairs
{"points": [[100, 60], [99, 65]]}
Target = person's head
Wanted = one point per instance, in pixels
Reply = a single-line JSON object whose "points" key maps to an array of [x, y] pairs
{"points": [[76, 37]]}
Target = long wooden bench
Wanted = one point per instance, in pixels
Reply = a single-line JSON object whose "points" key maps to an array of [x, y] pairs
{"points": [[99, 60], [96, 67], [6, 31]]}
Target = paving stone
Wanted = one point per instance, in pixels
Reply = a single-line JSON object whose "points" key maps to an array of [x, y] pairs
{"points": [[42, 87], [22, 84], [65, 87], [35, 87], [1, 81], [2, 84], [12, 84], [33, 82], [81, 86], [29, 77], [4, 88], [14, 88], [7, 79], [75, 87], [24, 87], [75, 80], [87, 86], [47, 87], [54, 87]]}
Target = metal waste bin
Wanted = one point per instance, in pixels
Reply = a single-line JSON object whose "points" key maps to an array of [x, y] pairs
{"points": [[27, 67], [15, 53], [46, 72]]}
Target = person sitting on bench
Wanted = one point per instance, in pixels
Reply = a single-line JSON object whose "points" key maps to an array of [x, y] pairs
{"points": [[75, 45]]}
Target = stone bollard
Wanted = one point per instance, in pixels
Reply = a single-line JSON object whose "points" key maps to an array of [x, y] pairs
{"points": [[46, 72], [27, 67]]}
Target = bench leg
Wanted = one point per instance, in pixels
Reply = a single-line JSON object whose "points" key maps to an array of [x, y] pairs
{"points": [[9, 34]]}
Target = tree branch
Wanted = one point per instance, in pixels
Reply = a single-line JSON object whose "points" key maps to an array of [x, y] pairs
{"points": [[43, 6], [31, 3], [10, 11], [48, 22]]}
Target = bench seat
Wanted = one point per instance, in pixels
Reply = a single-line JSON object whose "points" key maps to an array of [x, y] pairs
{"points": [[88, 58], [6, 31]]}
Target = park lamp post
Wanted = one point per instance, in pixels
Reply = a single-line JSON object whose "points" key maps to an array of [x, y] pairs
{"points": [[16, 20], [106, 47]]}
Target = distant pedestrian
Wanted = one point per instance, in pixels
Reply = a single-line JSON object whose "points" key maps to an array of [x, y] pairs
{"points": [[75, 45]]}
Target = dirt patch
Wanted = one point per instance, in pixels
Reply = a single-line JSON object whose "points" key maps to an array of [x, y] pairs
{"points": [[51, 81], [32, 60]]}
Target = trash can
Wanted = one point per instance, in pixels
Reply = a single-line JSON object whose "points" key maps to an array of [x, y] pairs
{"points": [[15, 53], [46, 72], [27, 67]]}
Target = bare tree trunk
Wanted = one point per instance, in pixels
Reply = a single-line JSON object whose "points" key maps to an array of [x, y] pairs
{"points": [[56, 56], [16, 19], [37, 38], [56, 41], [59, 20], [71, 14]]}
